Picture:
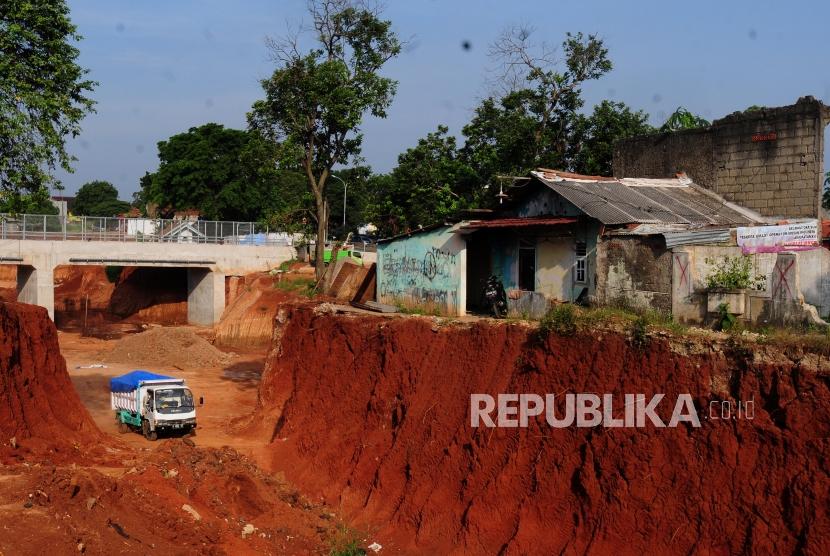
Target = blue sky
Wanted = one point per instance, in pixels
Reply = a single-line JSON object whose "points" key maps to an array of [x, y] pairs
{"points": [[165, 66]]}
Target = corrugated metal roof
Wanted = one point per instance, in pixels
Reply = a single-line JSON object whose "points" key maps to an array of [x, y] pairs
{"points": [[518, 222], [698, 237], [646, 201]]}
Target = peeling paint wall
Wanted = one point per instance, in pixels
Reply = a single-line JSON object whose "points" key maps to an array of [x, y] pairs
{"points": [[425, 271], [636, 271]]}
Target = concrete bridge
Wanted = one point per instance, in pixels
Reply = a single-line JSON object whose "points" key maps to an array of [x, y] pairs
{"points": [[207, 263]]}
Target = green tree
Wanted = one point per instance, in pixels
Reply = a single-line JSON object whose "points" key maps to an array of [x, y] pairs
{"points": [[532, 123], [683, 119], [825, 199], [42, 92], [98, 198], [594, 136], [226, 174], [314, 104], [430, 182], [36, 202]]}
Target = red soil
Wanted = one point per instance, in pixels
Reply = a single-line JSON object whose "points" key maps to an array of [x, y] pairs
{"points": [[39, 408], [8, 282], [66, 488], [373, 415]]}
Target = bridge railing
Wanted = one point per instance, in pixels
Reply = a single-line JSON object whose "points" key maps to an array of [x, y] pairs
{"points": [[94, 228]]}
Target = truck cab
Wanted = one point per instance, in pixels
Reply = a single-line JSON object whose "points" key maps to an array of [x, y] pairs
{"points": [[152, 403], [168, 407]]}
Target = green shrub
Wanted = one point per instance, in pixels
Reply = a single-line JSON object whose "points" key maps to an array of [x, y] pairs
{"points": [[734, 273], [639, 331], [726, 320], [561, 319]]}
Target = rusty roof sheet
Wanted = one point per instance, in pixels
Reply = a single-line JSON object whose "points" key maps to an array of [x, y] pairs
{"points": [[519, 222], [646, 201]]}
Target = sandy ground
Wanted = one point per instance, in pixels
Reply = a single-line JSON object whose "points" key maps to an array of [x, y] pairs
{"points": [[229, 393]]}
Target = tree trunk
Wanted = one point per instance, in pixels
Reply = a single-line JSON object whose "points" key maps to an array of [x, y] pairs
{"points": [[320, 245]]}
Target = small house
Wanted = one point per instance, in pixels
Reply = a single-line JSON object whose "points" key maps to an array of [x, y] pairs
{"points": [[561, 238]]}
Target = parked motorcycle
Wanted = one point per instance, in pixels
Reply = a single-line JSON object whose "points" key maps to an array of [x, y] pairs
{"points": [[495, 297]]}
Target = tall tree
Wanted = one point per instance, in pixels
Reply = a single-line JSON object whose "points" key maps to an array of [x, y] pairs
{"points": [[429, 183], [42, 92], [594, 136], [314, 104], [227, 174], [98, 198], [532, 122]]}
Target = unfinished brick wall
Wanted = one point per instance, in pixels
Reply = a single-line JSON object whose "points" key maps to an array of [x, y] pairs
{"points": [[770, 160]]}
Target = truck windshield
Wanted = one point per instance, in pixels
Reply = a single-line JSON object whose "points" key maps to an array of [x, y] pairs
{"points": [[174, 400]]}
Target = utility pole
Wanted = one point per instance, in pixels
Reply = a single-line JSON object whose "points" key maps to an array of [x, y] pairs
{"points": [[345, 187]]}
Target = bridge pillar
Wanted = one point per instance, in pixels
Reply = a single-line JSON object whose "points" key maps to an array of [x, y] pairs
{"points": [[37, 287], [205, 296]]}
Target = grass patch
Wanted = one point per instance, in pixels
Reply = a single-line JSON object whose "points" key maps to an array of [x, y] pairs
{"points": [[567, 320], [285, 266], [300, 286], [346, 542]]}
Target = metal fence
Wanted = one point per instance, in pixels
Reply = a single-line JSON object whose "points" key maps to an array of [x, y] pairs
{"points": [[158, 230]]}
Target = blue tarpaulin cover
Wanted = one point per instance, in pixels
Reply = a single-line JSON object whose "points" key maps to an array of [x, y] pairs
{"points": [[129, 381]]}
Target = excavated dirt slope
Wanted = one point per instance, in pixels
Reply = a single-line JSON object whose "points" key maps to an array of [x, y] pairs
{"points": [[39, 408], [373, 414], [66, 488]]}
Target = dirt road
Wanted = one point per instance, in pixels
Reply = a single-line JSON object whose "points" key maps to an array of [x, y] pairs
{"points": [[228, 391]]}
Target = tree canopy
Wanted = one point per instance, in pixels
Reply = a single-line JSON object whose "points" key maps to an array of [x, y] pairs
{"points": [[594, 136], [42, 92], [315, 102], [226, 174], [35, 202], [683, 119], [98, 198]]}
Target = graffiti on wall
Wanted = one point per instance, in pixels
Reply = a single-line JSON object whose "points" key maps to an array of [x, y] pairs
{"points": [[417, 273]]}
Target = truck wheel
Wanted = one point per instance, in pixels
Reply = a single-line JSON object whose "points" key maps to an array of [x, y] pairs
{"points": [[123, 427], [148, 434]]}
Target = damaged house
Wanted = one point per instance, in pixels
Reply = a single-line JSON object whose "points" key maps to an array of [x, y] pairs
{"points": [[642, 241]]}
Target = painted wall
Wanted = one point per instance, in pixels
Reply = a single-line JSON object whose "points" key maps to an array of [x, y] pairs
{"points": [[555, 259], [814, 279], [425, 270]]}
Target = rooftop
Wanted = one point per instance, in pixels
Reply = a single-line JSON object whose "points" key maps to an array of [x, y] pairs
{"points": [[646, 201]]}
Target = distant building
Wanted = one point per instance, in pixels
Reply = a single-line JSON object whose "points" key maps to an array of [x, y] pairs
{"points": [[63, 204]]}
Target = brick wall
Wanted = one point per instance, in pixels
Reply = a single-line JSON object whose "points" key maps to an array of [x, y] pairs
{"points": [[769, 160]]}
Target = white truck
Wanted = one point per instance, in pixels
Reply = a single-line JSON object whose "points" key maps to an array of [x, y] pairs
{"points": [[152, 403]]}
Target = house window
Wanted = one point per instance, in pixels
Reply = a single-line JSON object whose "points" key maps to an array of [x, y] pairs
{"points": [[581, 262], [527, 265]]}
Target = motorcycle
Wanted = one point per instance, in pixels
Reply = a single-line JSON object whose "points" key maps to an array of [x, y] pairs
{"points": [[495, 297]]}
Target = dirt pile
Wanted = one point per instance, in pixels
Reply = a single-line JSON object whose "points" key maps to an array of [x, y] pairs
{"points": [[177, 500], [374, 415], [178, 347], [39, 408]]}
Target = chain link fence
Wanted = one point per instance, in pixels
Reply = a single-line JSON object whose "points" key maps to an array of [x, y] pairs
{"points": [[157, 230]]}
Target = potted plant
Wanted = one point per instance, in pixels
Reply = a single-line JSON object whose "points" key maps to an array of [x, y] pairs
{"points": [[727, 283]]}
